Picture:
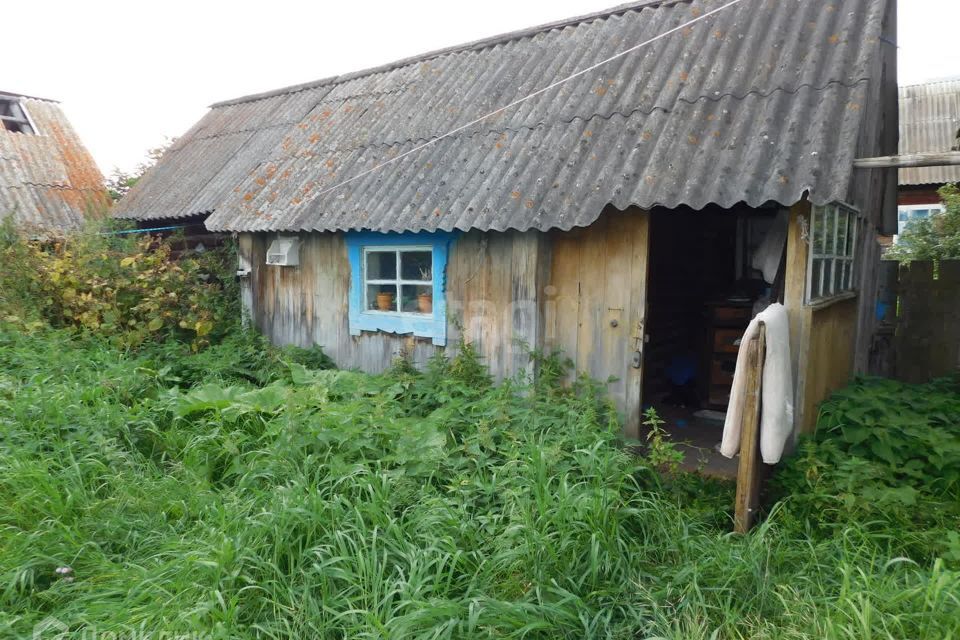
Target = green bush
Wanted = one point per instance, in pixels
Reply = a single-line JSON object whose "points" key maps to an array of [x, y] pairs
{"points": [[127, 289]]}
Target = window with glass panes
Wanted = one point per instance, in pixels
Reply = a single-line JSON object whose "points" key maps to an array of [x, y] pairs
{"points": [[833, 241], [398, 283], [395, 278]]}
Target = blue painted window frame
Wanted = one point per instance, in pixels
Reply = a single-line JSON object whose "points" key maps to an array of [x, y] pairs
{"points": [[433, 326]]}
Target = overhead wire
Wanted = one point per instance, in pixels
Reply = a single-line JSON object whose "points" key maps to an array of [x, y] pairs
{"points": [[518, 101]]}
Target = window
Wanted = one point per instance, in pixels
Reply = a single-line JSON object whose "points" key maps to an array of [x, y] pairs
{"points": [[831, 267], [398, 283], [908, 213], [13, 117], [398, 280]]}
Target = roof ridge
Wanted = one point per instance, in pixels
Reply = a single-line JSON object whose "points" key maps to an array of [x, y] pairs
{"points": [[924, 83], [607, 115], [482, 43], [12, 94]]}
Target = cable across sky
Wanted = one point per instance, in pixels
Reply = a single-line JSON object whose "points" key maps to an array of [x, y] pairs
{"points": [[523, 99]]}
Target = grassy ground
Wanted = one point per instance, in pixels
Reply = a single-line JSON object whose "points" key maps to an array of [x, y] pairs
{"points": [[238, 493]]}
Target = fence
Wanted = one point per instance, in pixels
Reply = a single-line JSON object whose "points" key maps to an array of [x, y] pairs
{"points": [[926, 341]]}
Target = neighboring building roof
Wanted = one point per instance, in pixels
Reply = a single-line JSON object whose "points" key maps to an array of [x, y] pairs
{"points": [[929, 121], [49, 182], [761, 102]]}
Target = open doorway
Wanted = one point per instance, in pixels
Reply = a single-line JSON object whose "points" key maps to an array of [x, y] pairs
{"points": [[710, 272]]}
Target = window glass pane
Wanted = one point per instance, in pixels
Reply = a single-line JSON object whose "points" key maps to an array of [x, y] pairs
{"points": [[921, 213], [816, 270], [829, 230], [819, 216], [903, 215], [382, 297], [851, 233], [847, 275], [416, 298], [827, 277], [838, 276], [416, 265], [381, 265], [842, 222]]}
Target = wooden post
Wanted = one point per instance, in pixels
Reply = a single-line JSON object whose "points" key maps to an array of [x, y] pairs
{"points": [[748, 474]]}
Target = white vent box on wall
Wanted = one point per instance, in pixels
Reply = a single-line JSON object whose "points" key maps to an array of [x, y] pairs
{"points": [[284, 251]]}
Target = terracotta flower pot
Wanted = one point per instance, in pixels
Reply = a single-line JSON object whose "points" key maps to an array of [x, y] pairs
{"points": [[425, 302], [385, 301]]}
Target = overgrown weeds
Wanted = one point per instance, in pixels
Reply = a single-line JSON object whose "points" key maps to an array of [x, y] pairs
{"points": [[887, 455], [172, 483], [268, 499]]}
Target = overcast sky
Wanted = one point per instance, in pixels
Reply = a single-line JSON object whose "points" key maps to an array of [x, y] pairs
{"points": [[130, 73]]}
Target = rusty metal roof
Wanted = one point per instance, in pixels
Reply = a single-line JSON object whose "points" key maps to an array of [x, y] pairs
{"points": [[929, 121], [761, 102], [49, 182]]}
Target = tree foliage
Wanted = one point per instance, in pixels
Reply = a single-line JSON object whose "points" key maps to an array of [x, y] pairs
{"points": [[120, 182], [933, 238]]}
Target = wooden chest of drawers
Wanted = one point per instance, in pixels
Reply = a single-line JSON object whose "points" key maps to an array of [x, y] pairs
{"points": [[726, 322]]}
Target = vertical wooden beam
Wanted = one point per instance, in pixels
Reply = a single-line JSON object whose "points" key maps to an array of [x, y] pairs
{"points": [[636, 319], [245, 273], [751, 467], [795, 291]]}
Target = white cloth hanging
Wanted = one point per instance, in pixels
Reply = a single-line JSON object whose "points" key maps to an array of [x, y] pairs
{"points": [[766, 258], [776, 414]]}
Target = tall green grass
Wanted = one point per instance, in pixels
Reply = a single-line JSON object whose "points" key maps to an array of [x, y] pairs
{"points": [[238, 494]]}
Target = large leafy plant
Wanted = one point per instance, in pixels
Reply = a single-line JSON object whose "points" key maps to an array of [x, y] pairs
{"points": [[885, 453]]}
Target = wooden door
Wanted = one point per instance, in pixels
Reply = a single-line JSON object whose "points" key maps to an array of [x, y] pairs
{"points": [[595, 304]]}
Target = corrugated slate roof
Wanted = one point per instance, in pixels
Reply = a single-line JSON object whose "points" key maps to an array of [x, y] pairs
{"points": [[201, 169], [49, 182], [761, 102], [929, 120]]}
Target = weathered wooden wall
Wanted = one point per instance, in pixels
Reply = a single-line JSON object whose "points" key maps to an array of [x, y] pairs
{"points": [[874, 191], [928, 327], [823, 337], [831, 340], [596, 299], [582, 291], [492, 293]]}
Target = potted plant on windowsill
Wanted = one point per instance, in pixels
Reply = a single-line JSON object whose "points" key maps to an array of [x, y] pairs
{"points": [[425, 299], [384, 301]]}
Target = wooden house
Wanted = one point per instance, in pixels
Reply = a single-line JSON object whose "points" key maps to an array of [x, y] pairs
{"points": [[929, 123], [631, 216], [49, 182]]}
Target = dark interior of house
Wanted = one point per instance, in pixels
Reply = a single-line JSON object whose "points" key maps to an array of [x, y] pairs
{"points": [[710, 272]]}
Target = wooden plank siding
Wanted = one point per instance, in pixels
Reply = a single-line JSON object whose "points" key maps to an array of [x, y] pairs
{"points": [[583, 291], [598, 280], [507, 293], [823, 336], [830, 350], [491, 294]]}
